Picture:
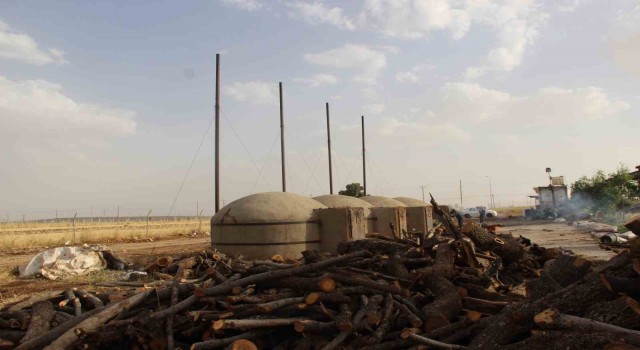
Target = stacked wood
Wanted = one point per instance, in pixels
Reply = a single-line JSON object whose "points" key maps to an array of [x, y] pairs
{"points": [[443, 292]]}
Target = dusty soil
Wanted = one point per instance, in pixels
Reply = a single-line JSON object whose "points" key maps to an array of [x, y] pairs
{"points": [[546, 234]]}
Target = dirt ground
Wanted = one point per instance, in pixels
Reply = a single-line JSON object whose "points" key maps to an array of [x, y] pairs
{"points": [[546, 234]]}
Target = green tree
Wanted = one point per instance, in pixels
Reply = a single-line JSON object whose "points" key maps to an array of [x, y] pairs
{"points": [[353, 190], [605, 192]]}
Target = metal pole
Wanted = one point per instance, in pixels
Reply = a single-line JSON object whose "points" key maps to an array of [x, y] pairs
{"points": [[422, 193], [364, 164], [461, 207], [329, 146], [490, 193], [217, 135], [284, 175]]}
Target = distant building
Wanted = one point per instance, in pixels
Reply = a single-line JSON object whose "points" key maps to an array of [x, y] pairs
{"points": [[555, 195], [636, 174]]}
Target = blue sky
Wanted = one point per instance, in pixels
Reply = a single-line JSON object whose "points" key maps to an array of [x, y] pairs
{"points": [[104, 104]]}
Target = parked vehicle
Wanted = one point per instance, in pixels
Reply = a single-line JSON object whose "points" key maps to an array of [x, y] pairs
{"points": [[475, 213]]}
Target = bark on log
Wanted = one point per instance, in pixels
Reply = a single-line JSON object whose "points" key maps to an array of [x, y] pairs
{"points": [[557, 274], [433, 343], [51, 335], [622, 285], [622, 312], [372, 245], [88, 298], [383, 287], [445, 307], [412, 318], [334, 298], [277, 304], [552, 318], [311, 326], [562, 340], [357, 319], [443, 264], [484, 306], [517, 319], [372, 311], [34, 299], [254, 323], [504, 246], [41, 315], [344, 317]]}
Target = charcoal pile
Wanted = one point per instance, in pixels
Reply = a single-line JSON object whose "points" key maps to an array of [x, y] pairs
{"points": [[455, 288]]}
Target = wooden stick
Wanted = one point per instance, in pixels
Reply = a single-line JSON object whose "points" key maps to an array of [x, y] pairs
{"points": [[169, 323], [370, 284], [94, 322], [311, 326], [90, 298], [261, 277], [53, 334], [34, 299], [553, 318], [344, 334], [277, 304], [431, 342], [254, 323]]}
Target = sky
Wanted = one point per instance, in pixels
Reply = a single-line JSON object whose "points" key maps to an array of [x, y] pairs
{"points": [[107, 104]]}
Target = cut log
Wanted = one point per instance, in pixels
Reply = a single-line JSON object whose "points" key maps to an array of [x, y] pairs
{"points": [[411, 318], [562, 340], [34, 299], [368, 283], [275, 305], [445, 307], [88, 298], [372, 312], [92, 323], [266, 276], [443, 264], [517, 319], [242, 344], [508, 248], [344, 317], [552, 318], [622, 285], [622, 312], [557, 274], [254, 323], [41, 316]]}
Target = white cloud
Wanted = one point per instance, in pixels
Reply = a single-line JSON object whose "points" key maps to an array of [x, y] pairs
{"points": [[415, 74], [368, 61], [318, 80], [256, 92], [516, 24], [546, 106], [374, 108], [21, 47], [415, 19], [318, 13], [39, 111]]}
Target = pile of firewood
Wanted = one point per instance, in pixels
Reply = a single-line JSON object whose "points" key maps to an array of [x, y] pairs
{"points": [[455, 288]]}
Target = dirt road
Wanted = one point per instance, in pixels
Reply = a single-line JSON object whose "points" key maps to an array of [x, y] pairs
{"points": [[551, 234]]}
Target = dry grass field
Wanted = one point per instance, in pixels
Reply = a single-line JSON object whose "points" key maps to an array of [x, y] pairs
{"points": [[48, 234]]}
